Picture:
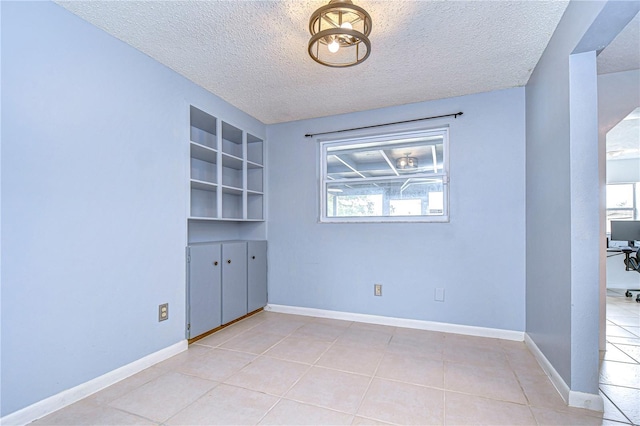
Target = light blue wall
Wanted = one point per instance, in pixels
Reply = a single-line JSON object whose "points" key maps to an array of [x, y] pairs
{"points": [[563, 190], [478, 258], [549, 191], [94, 193], [585, 221]]}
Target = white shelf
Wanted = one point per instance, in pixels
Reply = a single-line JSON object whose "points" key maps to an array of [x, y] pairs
{"points": [[226, 171], [231, 190], [203, 185], [213, 219], [204, 153], [231, 161]]}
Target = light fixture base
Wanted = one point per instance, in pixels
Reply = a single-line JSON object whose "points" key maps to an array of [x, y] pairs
{"points": [[339, 34]]}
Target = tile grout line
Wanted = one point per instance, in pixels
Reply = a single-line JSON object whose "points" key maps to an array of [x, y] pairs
{"points": [[633, 360], [373, 375], [524, 393], [193, 402], [614, 404], [444, 396], [130, 413], [309, 366]]}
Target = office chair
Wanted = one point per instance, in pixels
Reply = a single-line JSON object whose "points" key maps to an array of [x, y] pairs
{"points": [[632, 263]]}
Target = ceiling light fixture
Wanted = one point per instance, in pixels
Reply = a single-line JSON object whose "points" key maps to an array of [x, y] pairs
{"points": [[340, 34], [406, 162]]}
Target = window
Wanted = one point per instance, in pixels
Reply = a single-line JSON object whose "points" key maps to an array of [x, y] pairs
{"points": [[622, 202], [399, 177]]}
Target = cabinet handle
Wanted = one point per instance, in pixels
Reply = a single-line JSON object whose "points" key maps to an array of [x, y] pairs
{"points": [[229, 261], [253, 257], [215, 263]]}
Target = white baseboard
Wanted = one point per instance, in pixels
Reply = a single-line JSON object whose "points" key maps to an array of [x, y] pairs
{"points": [[588, 401], [53, 403], [551, 372], [400, 322], [576, 399]]}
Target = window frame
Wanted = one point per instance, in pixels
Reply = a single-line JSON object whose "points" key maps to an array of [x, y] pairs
{"points": [[634, 209], [385, 140]]}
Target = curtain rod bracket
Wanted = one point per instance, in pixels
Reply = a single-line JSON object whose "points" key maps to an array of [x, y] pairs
{"points": [[454, 115]]}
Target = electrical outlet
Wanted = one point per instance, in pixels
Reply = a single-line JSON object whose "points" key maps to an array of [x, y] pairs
{"points": [[377, 289], [439, 297], [163, 312]]}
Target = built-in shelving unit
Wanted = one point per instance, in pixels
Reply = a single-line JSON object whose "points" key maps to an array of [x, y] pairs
{"points": [[227, 171]]}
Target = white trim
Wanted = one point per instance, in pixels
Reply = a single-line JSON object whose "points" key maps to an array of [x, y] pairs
{"points": [[551, 372], [495, 333], [588, 401], [577, 399], [53, 403]]}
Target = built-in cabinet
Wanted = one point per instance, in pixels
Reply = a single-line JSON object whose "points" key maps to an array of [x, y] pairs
{"points": [[227, 171], [225, 281], [226, 268], [204, 288], [257, 275], [234, 281]]}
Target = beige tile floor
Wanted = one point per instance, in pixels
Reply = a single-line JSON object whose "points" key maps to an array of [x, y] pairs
{"points": [[285, 369]]}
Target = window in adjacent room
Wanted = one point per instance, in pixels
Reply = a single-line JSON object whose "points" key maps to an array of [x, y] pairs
{"points": [[622, 202], [398, 177]]}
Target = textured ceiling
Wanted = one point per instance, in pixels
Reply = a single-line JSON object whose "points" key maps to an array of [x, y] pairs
{"points": [[623, 141], [254, 55], [623, 54]]}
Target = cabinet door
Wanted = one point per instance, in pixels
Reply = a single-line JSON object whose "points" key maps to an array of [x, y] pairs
{"points": [[257, 275], [234, 281], [204, 289]]}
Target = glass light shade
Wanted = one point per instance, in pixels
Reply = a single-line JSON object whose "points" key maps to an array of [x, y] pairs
{"points": [[406, 163], [345, 24], [334, 46]]}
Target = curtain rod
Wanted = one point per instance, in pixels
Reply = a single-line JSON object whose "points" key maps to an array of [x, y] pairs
{"points": [[310, 135]]}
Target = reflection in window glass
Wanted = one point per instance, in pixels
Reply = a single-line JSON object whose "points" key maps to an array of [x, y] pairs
{"points": [[436, 203], [396, 177], [358, 205], [410, 207]]}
